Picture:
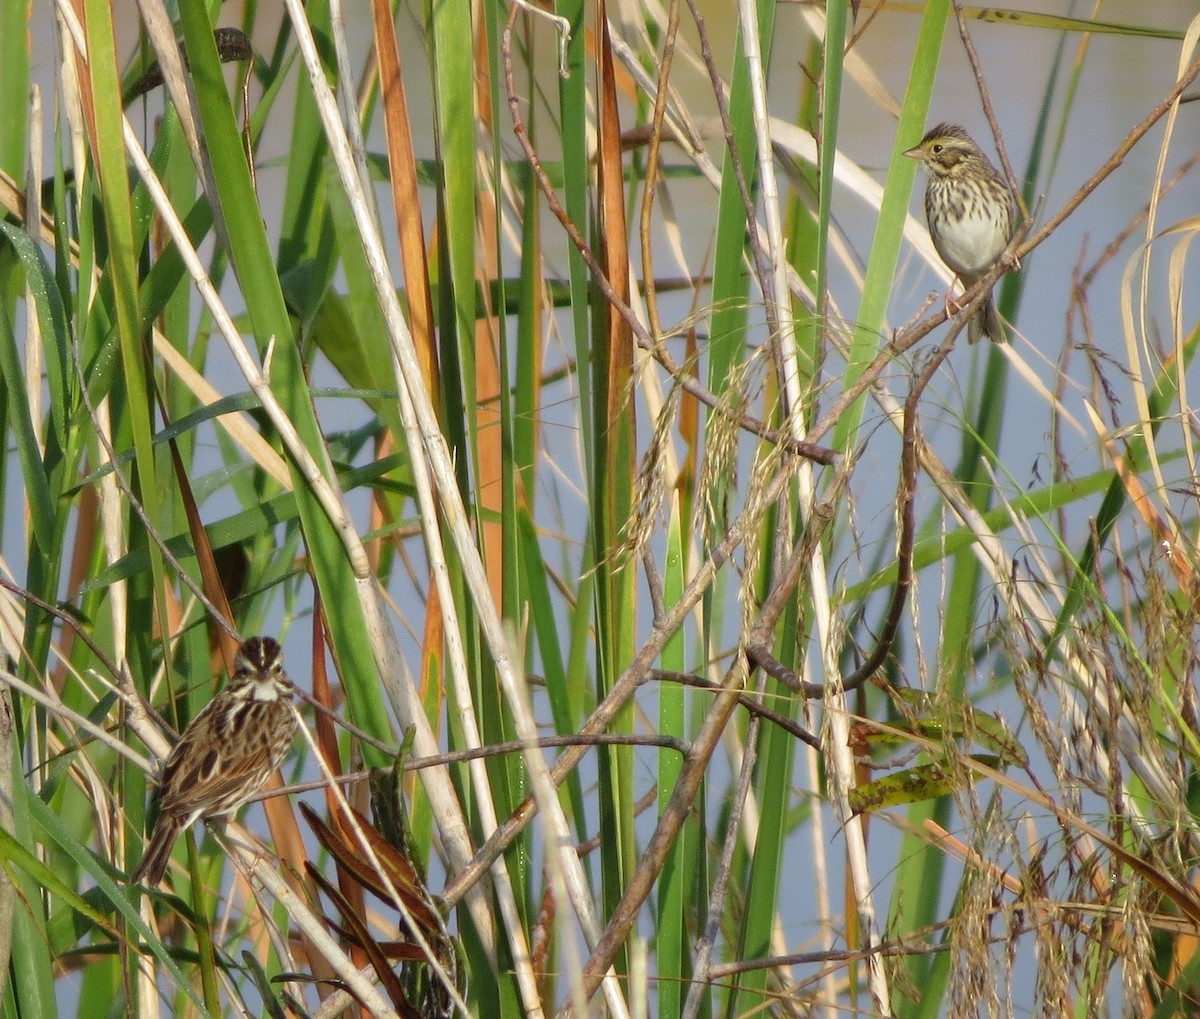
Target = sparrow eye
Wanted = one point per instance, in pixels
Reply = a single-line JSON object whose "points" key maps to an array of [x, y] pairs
{"points": [[937, 149]]}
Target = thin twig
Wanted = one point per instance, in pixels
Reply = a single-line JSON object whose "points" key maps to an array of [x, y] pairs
{"points": [[717, 898], [988, 110], [908, 519], [746, 701]]}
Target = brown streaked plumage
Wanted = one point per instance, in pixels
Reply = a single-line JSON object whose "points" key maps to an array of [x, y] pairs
{"points": [[227, 752], [971, 214]]}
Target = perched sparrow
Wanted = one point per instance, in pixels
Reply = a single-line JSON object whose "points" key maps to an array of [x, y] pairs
{"points": [[226, 753], [971, 214]]}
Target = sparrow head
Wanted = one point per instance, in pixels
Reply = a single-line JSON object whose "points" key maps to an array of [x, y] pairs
{"points": [[946, 151]]}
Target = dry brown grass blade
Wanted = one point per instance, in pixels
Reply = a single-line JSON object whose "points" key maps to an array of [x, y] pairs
{"points": [[613, 236], [343, 846], [406, 196], [355, 931], [1160, 528], [210, 576], [326, 738], [322, 693], [490, 444], [433, 640], [434, 952]]}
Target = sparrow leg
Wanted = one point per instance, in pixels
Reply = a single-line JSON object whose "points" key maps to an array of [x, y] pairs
{"points": [[952, 306]]}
